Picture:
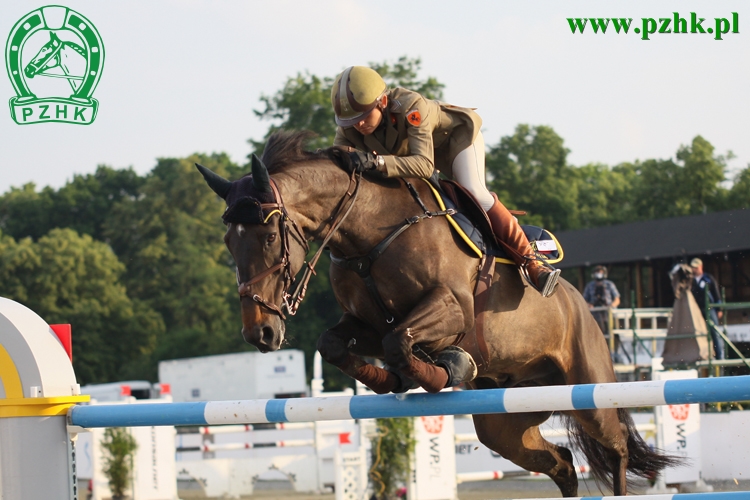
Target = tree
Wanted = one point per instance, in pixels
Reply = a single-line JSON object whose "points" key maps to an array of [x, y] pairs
{"points": [[603, 195], [170, 236], [392, 449], [118, 446], [83, 204], [739, 196], [26, 212], [304, 102], [528, 171], [701, 175]]}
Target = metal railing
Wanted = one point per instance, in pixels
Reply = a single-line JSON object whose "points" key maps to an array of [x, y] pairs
{"points": [[628, 324]]}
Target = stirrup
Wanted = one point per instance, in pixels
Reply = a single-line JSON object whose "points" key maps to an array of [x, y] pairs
{"points": [[552, 275], [551, 283]]}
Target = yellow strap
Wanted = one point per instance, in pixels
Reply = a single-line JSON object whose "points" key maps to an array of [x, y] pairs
{"points": [[39, 407], [270, 215], [453, 222], [460, 231], [471, 244], [9, 375]]}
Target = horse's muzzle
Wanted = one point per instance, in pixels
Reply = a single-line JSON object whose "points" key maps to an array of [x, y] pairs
{"points": [[264, 336]]}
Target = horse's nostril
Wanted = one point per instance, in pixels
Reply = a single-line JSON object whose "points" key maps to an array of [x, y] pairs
{"points": [[267, 335]]}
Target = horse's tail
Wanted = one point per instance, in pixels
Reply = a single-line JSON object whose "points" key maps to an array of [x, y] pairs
{"points": [[643, 461]]}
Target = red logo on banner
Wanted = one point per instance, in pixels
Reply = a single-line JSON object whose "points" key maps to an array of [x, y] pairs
{"points": [[679, 412], [433, 425], [345, 438]]}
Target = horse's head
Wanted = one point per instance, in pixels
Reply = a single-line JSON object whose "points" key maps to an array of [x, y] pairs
{"points": [[267, 248], [44, 57], [681, 276]]}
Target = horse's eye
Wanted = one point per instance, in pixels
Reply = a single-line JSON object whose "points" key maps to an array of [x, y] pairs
{"points": [[271, 238]]}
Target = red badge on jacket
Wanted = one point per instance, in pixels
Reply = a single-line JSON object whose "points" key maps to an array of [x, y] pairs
{"points": [[414, 118]]}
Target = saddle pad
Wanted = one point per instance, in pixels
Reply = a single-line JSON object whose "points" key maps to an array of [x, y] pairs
{"points": [[479, 237]]}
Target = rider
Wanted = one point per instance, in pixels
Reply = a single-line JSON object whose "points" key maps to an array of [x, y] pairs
{"points": [[399, 133]]}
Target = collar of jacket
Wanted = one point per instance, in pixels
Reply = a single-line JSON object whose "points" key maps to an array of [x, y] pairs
{"points": [[391, 134]]}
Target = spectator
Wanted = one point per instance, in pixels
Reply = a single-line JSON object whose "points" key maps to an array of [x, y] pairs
{"points": [[602, 294], [702, 282]]}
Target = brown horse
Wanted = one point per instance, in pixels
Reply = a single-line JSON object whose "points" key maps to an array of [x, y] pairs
{"points": [[426, 279]]}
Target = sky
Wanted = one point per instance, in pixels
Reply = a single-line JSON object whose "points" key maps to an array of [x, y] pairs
{"points": [[185, 76]]}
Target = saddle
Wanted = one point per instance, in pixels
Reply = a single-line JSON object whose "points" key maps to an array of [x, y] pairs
{"points": [[473, 226]]}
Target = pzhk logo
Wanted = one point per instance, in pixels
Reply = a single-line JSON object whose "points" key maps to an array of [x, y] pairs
{"points": [[54, 50]]}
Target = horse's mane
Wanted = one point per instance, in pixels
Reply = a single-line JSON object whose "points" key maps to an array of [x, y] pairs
{"points": [[285, 148]]}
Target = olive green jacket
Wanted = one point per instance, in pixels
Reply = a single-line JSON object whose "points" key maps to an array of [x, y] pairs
{"points": [[417, 135]]}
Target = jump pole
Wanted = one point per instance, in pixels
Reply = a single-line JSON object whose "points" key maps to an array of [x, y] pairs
{"points": [[719, 495], [517, 400]]}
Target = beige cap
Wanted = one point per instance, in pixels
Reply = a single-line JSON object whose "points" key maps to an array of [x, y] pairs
{"points": [[696, 262], [355, 93]]}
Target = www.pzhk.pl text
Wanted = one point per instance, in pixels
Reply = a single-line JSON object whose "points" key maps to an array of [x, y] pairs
{"points": [[650, 26]]}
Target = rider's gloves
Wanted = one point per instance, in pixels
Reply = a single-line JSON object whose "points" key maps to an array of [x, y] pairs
{"points": [[363, 161]]}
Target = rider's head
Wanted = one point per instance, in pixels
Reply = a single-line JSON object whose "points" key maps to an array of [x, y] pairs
{"points": [[358, 97]]}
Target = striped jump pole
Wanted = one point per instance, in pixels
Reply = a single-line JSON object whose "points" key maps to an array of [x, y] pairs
{"points": [[516, 400], [719, 495]]}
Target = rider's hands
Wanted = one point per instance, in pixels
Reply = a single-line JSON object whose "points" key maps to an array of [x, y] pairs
{"points": [[363, 161]]}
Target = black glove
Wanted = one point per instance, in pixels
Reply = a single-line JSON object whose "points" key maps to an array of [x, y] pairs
{"points": [[363, 161]]}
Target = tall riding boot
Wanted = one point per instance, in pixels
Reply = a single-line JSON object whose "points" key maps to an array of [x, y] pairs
{"points": [[510, 236]]}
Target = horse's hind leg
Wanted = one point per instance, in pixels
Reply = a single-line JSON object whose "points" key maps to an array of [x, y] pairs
{"points": [[516, 437], [341, 345]]}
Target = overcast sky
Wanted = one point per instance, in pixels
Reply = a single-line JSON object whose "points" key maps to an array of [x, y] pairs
{"points": [[184, 76]]}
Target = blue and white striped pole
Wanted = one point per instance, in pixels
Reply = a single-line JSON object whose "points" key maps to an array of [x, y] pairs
{"points": [[517, 400], [719, 495]]}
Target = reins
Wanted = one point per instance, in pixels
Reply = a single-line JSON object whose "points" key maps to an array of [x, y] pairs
{"points": [[292, 301]]}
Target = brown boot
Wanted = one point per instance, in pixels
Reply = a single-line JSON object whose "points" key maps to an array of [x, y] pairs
{"points": [[510, 236]]}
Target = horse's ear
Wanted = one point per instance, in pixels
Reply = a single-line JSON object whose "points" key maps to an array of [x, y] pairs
{"points": [[216, 182], [261, 179]]}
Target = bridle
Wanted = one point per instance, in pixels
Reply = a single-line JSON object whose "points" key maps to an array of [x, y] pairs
{"points": [[292, 301]]}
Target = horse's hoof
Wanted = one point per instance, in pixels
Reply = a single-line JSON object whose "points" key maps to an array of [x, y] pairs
{"points": [[458, 363]]}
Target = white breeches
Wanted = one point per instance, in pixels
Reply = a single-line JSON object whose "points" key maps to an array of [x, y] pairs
{"points": [[468, 170]]}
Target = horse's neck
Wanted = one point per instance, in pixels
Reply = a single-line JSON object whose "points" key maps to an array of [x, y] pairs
{"points": [[314, 201]]}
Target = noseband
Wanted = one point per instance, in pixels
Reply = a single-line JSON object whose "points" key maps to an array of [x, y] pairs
{"points": [[292, 301]]}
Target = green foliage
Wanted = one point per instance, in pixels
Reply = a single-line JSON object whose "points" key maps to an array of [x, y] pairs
{"points": [[118, 446], [304, 102], [739, 195], [392, 449], [528, 170], [171, 238], [82, 204]]}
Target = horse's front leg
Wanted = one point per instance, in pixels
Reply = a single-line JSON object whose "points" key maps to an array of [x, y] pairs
{"points": [[343, 345], [439, 315]]}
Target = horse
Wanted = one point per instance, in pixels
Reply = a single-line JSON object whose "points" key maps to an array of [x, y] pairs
{"points": [[58, 54], [425, 282]]}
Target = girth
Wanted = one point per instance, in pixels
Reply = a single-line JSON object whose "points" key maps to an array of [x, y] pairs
{"points": [[363, 265]]}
